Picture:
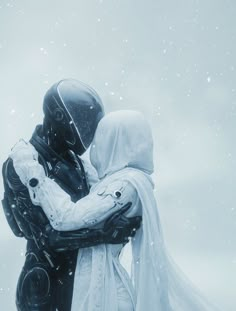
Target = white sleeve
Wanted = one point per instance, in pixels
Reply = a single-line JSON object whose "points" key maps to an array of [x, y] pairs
{"points": [[63, 214]]}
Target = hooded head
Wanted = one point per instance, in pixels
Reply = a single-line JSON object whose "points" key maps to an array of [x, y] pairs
{"points": [[122, 139]]}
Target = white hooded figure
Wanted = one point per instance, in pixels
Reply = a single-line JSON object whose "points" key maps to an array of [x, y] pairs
{"points": [[122, 154]]}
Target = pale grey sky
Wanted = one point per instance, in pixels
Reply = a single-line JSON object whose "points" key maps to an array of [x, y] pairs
{"points": [[172, 59]]}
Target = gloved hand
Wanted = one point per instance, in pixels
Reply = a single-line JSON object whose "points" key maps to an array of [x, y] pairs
{"points": [[118, 228], [25, 162]]}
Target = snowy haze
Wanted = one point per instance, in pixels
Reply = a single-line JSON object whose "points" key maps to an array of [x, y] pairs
{"points": [[172, 60]]}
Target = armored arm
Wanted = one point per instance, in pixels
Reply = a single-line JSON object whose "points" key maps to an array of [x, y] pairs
{"points": [[28, 220], [115, 230], [91, 212]]}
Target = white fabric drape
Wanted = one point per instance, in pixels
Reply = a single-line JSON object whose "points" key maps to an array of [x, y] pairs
{"points": [[158, 282], [123, 149]]}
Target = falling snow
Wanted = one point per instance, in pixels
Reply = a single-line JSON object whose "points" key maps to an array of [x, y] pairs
{"points": [[177, 67]]}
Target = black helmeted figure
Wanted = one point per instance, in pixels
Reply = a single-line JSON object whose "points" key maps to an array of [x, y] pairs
{"points": [[72, 111]]}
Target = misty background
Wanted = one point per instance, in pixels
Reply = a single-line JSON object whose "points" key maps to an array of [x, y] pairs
{"points": [[174, 60]]}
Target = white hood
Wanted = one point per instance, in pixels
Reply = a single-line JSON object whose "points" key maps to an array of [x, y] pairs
{"points": [[123, 139]]}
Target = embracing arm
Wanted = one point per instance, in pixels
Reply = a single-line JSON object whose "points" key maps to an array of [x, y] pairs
{"points": [[63, 214]]}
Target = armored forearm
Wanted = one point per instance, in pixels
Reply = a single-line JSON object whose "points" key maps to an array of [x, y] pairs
{"points": [[115, 230]]}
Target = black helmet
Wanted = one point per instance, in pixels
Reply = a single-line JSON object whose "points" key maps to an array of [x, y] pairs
{"points": [[72, 111]]}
